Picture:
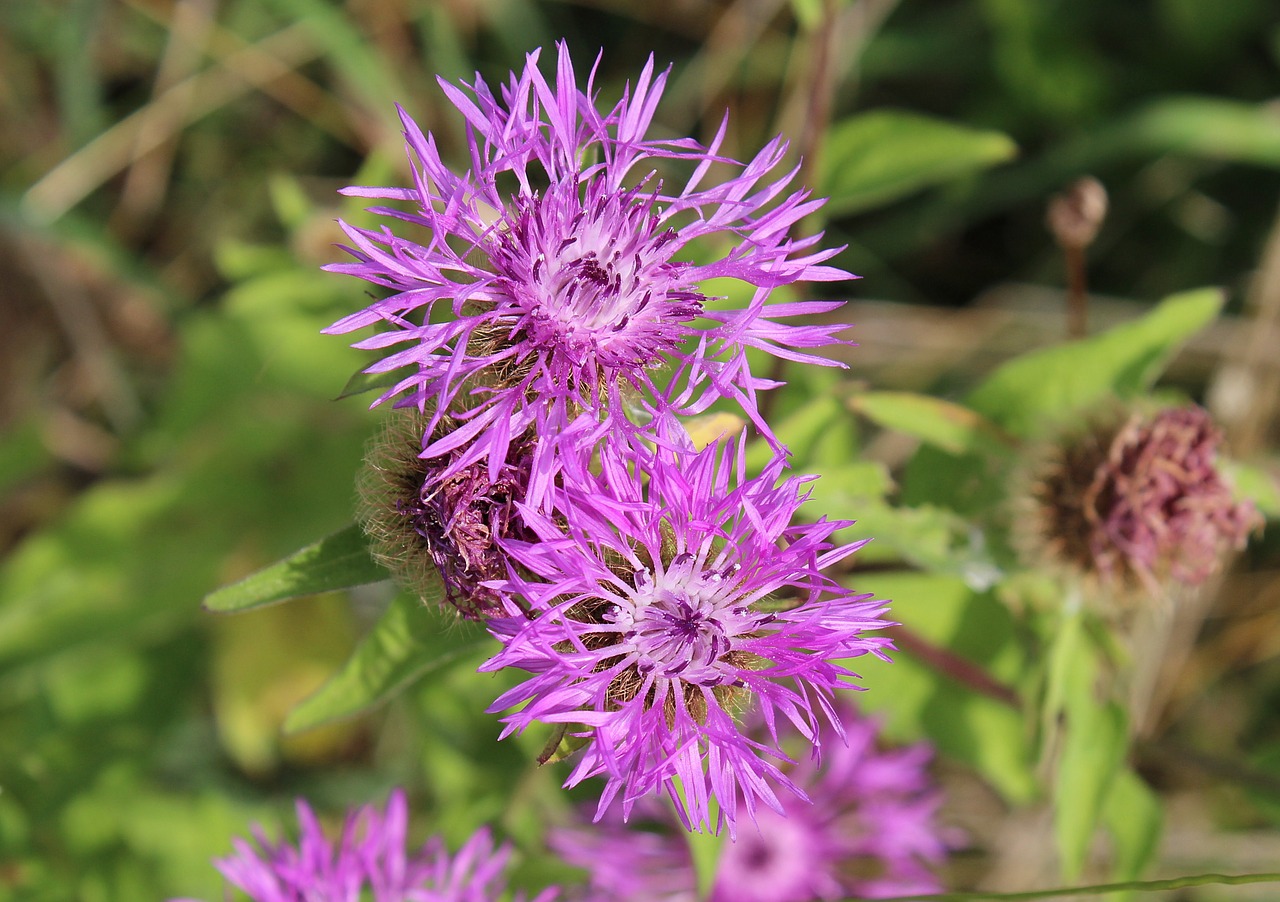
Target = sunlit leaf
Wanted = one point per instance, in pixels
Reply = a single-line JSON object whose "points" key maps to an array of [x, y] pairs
{"points": [[1048, 385], [951, 427], [412, 639], [337, 562], [1133, 815], [876, 157], [1093, 749]]}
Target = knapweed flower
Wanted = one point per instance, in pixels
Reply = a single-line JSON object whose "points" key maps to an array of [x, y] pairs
{"points": [[666, 595], [871, 832], [424, 525], [368, 863], [1137, 503], [555, 279]]}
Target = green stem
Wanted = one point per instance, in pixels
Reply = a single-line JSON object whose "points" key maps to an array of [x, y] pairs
{"points": [[1098, 889]]}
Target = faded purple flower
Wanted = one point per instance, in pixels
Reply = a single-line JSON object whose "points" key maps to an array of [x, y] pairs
{"points": [[429, 528], [870, 832], [1140, 502], [556, 283], [679, 592], [368, 863]]}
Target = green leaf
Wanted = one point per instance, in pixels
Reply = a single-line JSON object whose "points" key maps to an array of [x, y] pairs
{"points": [[916, 699], [1093, 750], [361, 382], [337, 562], [1209, 127], [413, 638], [1029, 395], [952, 427], [1047, 386], [1133, 815], [880, 156], [1256, 483]]}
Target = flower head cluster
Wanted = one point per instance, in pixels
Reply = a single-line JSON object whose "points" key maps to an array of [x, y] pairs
{"points": [[669, 593], [554, 328], [870, 833], [368, 862], [1137, 503], [556, 285]]}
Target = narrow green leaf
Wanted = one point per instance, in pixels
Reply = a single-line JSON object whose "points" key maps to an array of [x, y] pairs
{"points": [[705, 849], [880, 156], [1133, 815], [952, 427], [361, 382], [413, 638], [336, 562], [1210, 127], [1093, 751], [1046, 386]]}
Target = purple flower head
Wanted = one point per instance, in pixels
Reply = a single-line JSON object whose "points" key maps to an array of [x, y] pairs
{"points": [[1137, 502], [368, 863], [427, 527], [556, 280], [870, 832], [665, 594]]}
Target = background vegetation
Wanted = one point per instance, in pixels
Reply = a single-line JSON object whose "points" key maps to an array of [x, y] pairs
{"points": [[167, 417]]}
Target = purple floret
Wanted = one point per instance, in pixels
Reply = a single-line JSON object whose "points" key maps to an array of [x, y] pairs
{"points": [[871, 832], [369, 862], [556, 283], [678, 594]]}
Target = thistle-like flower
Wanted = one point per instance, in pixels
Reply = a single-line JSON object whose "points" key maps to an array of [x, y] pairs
{"points": [[1138, 503], [368, 862], [871, 832], [426, 523], [665, 595], [556, 282]]}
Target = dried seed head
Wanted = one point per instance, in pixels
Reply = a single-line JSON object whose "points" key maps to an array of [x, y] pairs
{"points": [[422, 526], [1076, 215], [1134, 504]]}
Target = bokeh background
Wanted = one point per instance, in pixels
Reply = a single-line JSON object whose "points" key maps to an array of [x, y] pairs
{"points": [[168, 422]]}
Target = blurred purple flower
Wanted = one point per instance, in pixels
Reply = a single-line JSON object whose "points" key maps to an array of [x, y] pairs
{"points": [[871, 832], [1135, 502], [556, 275], [677, 592], [1158, 507], [368, 863]]}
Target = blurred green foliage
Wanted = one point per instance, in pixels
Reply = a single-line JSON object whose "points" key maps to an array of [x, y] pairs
{"points": [[168, 425]]}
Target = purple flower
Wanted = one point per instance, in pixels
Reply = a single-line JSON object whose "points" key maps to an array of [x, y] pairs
{"points": [[664, 595], [871, 832], [1136, 502], [368, 863], [556, 282]]}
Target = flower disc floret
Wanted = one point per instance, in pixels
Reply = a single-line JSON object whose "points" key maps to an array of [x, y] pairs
{"points": [[666, 595], [555, 279]]}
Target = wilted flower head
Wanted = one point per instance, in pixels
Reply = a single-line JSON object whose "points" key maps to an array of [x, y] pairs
{"points": [[677, 593], [556, 276], [424, 525], [1139, 503], [870, 832], [368, 862]]}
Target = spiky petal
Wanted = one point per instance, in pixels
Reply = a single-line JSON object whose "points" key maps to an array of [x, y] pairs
{"points": [[678, 592], [555, 278], [368, 862], [871, 831]]}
